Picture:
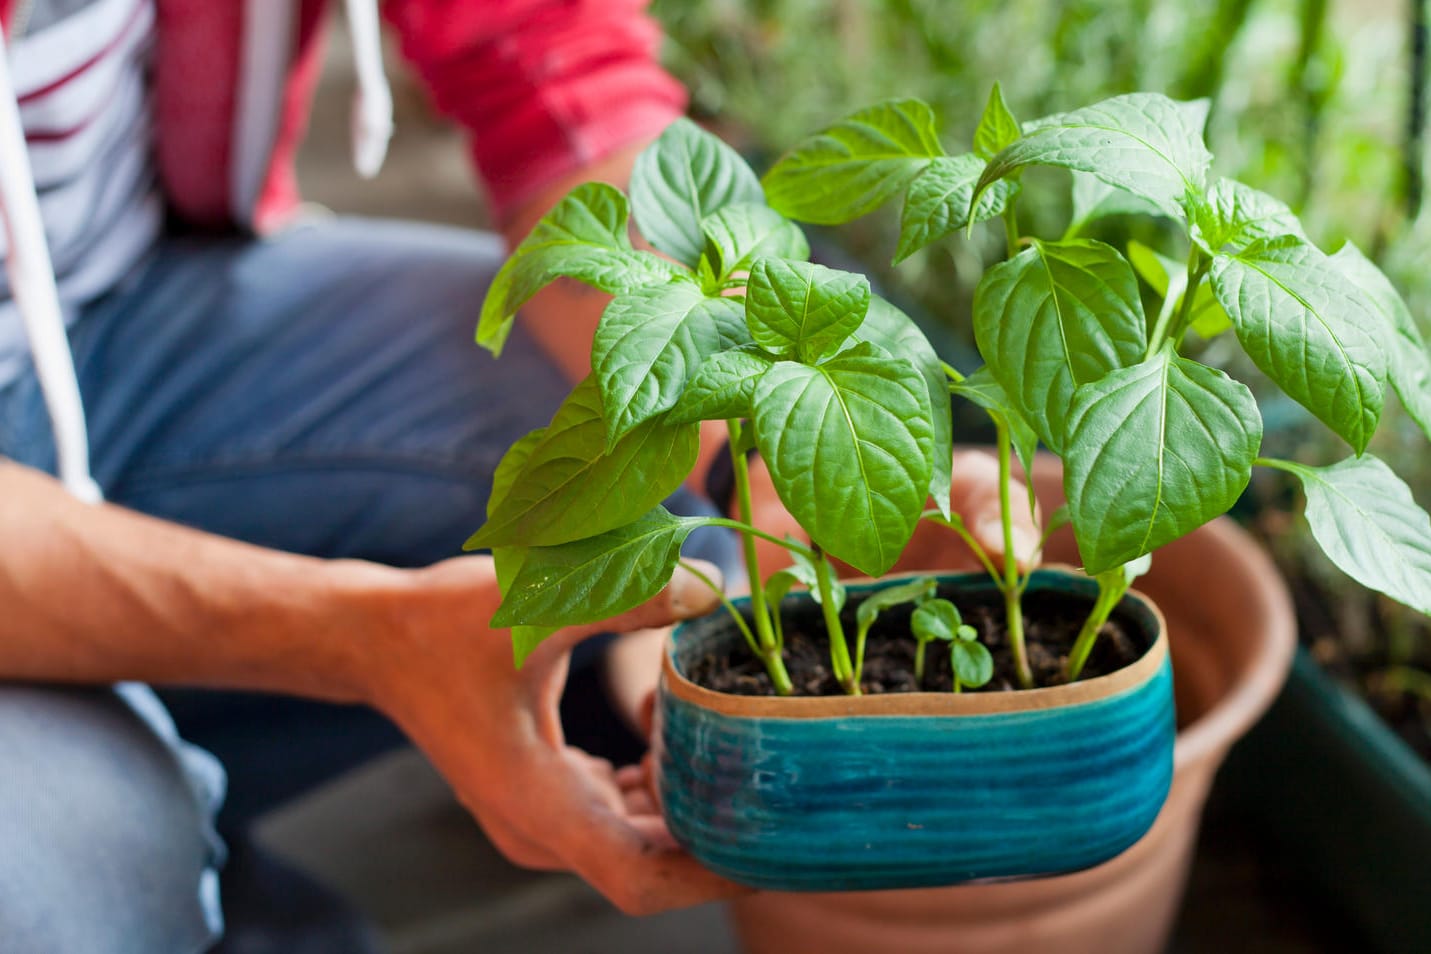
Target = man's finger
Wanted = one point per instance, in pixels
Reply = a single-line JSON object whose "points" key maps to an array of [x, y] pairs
{"points": [[975, 494]]}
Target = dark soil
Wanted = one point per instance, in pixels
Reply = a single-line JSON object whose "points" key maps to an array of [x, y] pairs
{"points": [[1051, 624]]}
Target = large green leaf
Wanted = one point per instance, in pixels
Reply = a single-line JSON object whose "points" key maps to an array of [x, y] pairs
{"points": [[897, 333], [799, 309], [598, 577], [723, 388], [1153, 452], [648, 345], [938, 202], [849, 443], [739, 234], [1367, 522], [682, 178], [1410, 369], [856, 165], [510, 467], [1233, 216], [582, 237], [507, 561], [1053, 317], [1143, 143], [569, 486], [1310, 329], [997, 127]]}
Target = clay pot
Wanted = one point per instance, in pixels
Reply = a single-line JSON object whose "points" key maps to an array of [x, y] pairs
{"points": [[1232, 634]]}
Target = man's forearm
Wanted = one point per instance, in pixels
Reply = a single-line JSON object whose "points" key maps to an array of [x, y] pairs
{"points": [[98, 594]]}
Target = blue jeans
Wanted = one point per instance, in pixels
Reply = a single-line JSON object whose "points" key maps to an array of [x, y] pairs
{"points": [[318, 392]]}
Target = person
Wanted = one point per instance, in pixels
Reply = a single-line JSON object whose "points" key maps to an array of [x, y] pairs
{"points": [[293, 434]]}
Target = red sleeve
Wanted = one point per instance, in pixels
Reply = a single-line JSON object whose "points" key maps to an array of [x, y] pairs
{"points": [[543, 86]]}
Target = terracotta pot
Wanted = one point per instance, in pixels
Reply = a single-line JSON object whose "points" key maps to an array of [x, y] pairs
{"points": [[1232, 634]]}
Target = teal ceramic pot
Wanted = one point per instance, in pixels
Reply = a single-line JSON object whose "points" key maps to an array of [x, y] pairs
{"points": [[915, 789]]}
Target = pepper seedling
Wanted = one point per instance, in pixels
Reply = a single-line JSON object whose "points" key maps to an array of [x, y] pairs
{"points": [[970, 660], [1154, 442]]}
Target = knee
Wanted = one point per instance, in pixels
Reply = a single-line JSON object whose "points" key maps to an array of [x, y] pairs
{"points": [[104, 846]]}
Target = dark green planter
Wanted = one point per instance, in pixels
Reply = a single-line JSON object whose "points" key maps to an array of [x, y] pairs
{"points": [[1346, 803]]}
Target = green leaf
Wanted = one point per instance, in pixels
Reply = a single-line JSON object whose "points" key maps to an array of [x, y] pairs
{"points": [[997, 126], [936, 619], [1170, 280], [1143, 143], [897, 333], [1310, 329], [981, 388], [1367, 522], [681, 179], [582, 237], [569, 487], [856, 165], [723, 388], [798, 309], [592, 579], [1095, 199], [510, 467], [1053, 317], [739, 234], [1153, 452], [939, 199], [918, 591], [1233, 216], [848, 444], [650, 342], [1410, 369], [507, 561], [972, 664]]}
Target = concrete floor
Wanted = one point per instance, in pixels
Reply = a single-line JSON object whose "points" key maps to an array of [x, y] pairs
{"points": [[391, 837]]}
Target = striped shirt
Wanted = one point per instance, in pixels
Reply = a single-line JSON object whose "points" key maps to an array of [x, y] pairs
{"points": [[81, 79]]}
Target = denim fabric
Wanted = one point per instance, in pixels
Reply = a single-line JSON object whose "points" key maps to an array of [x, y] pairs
{"points": [[318, 392]]}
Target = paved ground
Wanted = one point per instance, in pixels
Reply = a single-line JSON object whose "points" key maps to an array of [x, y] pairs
{"points": [[391, 837]]}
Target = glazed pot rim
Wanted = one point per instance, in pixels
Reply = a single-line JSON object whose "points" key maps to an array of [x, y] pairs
{"points": [[929, 703]]}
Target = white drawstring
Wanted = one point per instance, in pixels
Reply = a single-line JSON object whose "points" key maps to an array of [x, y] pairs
{"points": [[372, 122], [32, 284]]}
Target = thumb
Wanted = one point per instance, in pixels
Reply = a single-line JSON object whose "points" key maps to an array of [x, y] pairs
{"points": [[686, 596]]}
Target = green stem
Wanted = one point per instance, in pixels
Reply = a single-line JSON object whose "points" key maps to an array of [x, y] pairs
{"points": [[1108, 596], [957, 525], [1011, 229], [839, 649], [735, 614], [745, 528], [769, 651], [919, 663], [1197, 268], [1013, 592]]}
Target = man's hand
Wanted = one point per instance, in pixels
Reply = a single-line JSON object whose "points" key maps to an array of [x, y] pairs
{"points": [[494, 733]]}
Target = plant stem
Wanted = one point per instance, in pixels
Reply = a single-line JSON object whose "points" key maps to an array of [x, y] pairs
{"points": [[839, 650], [957, 525], [769, 645], [729, 606], [1011, 229], [1198, 265], [1109, 593], [919, 663], [1013, 592]]}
